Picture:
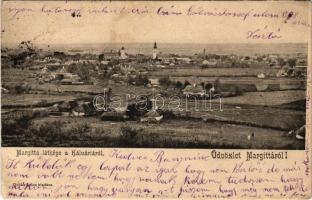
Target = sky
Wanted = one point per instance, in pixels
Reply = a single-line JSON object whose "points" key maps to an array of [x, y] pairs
{"points": [[31, 23]]}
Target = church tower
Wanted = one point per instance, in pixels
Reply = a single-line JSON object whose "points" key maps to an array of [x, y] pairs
{"points": [[155, 51], [123, 53]]}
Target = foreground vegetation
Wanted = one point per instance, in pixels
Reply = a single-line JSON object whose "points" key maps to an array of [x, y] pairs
{"points": [[38, 129]]}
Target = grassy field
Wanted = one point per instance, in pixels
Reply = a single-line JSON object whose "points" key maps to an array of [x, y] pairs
{"points": [[118, 89], [89, 132], [35, 100], [12, 75], [271, 118], [239, 80], [265, 98], [214, 72]]}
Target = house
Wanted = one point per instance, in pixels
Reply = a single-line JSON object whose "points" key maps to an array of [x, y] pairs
{"points": [[281, 73], [211, 62], [154, 81], [194, 90], [4, 90], [35, 67], [152, 117], [74, 80], [109, 55], [54, 110], [261, 75], [62, 76], [44, 70], [185, 60], [301, 66], [83, 109], [104, 62], [64, 106], [86, 61], [113, 116], [66, 78], [51, 59], [115, 76], [161, 66], [300, 133], [54, 66], [273, 63]]}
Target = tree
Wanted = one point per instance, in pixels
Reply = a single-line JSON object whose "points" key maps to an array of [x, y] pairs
{"points": [[141, 80], [217, 84], [81, 71], [101, 57], [60, 55], [132, 111], [165, 81], [281, 62], [291, 62], [84, 73], [202, 84], [77, 56], [179, 84], [208, 86], [26, 49], [186, 83]]}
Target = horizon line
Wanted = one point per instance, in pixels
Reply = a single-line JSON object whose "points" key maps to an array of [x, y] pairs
{"points": [[253, 43]]}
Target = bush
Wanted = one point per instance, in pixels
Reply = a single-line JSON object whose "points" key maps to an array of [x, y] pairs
{"points": [[18, 124], [165, 81], [208, 86], [217, 83], [51, 129], [84, 73], [291, 62], [80, 129], [138, 80], [141, 80], [22, 89], [81, 70], [40, 113], [128, 133], [138, 109], [101, 57], [43, 103], [168, 114], [24, 121], [179, 84], [128, 136], [202, 84], [186, 83]]}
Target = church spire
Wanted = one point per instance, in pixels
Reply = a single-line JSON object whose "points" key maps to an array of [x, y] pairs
{"points": [[155, 51]]}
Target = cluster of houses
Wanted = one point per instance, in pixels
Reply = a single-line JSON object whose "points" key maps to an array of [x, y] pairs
{"points": [[156, 59], [53, 65], [271, 60], [60, 75], [85, 108]]}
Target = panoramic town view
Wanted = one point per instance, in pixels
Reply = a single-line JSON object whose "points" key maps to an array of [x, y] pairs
{"points": [[154, 95]]}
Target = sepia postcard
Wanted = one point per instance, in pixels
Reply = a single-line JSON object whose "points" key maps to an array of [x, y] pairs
{"points": [[156, 99]]}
